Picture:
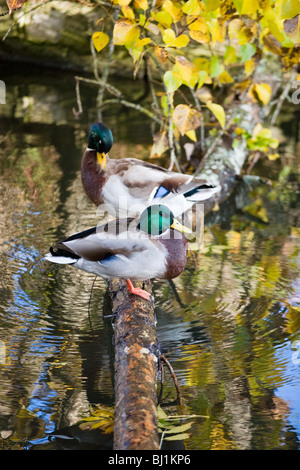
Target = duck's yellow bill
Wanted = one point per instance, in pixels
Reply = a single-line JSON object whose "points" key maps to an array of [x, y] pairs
{"points": [[101, 159], [181, 228]]}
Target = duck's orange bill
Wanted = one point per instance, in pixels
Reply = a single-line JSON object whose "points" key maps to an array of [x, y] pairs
{"points": [[101, 159], [181, 228]]}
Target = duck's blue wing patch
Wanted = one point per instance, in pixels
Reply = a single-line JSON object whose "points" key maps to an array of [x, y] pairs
{"points": [[161, 192]]}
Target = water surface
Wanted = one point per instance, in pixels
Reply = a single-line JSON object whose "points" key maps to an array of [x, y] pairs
{"points": [[229, 324]]}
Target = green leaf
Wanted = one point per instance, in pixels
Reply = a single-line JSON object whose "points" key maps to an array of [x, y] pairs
{"points": [[172, 81], [161, 414], [230, 55], [177, 437], [247, 51], [218, 112], [178, 429], [216, 68], [202, 76]]}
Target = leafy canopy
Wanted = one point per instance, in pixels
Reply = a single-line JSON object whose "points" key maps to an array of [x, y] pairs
{"points": [[202, 46]]}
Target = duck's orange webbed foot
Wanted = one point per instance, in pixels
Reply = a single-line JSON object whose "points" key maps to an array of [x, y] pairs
{"points": [[137, 291]]}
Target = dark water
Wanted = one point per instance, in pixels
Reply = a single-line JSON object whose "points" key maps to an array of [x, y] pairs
{"points": [[229, 324]]}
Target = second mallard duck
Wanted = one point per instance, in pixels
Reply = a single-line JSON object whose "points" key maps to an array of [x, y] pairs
{"points": [[129, 185], [132, 249]]}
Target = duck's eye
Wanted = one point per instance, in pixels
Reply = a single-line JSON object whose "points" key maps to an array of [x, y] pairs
{"points": [[100, 141]]}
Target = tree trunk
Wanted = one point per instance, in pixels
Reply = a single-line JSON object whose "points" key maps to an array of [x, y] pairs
{"points": [[135, 368]]}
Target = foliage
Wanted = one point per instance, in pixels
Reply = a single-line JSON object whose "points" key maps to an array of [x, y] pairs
{"points": [[202, 55], [170, 428]]}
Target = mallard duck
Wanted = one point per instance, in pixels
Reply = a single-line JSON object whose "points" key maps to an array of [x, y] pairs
{"points": [[133, 249], [129, 185]]}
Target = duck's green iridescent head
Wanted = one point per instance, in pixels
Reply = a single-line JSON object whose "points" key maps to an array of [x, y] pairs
{"points": [[100, 139], [157, 219]]}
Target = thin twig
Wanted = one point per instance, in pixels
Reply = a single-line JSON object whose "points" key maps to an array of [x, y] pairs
{"points": [[135, 106], [165, 360], [78, 98], [283, 96], [198, 107], [110, 88]]}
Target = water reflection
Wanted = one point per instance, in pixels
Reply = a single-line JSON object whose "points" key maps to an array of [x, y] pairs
{"points": [[229, 324]]}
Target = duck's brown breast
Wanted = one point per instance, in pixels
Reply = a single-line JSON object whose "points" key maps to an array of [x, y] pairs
{"points": [[177, 254], [92, 177]]}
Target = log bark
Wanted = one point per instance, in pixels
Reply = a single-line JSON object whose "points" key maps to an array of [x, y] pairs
{"points": [[136, 357], [136, 348]]}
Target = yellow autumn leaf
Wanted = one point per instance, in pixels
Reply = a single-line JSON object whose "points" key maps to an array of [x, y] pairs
{"points": [[100, 40], [163, 18], [125, 32], [128, 12], [168, 36], [192, 7], [237, 31], [122, 3], [170, 39], [187, 70], [181, 41], [217, 29], [198, 36], [218, 112], [161, 54], [160, 144], [141, 4], [289, 8], [186, 118], [249, 67], [211, 5], [142, 42], [273, 156], [196, 23], [261, 92], [230, 56], [174, 9], [246, 7], [191, 135], [198, 29], [202, 64], [292, 28], [204, 94], [225, 77]]}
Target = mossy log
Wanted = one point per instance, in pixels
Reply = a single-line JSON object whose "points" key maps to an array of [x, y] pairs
{"points": [[136, 357]]}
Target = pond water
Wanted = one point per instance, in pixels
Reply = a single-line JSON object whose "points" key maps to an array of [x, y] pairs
{"points": [[229, 325]]}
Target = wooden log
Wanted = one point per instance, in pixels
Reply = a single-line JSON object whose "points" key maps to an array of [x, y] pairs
{"points": [[136, 357]]}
